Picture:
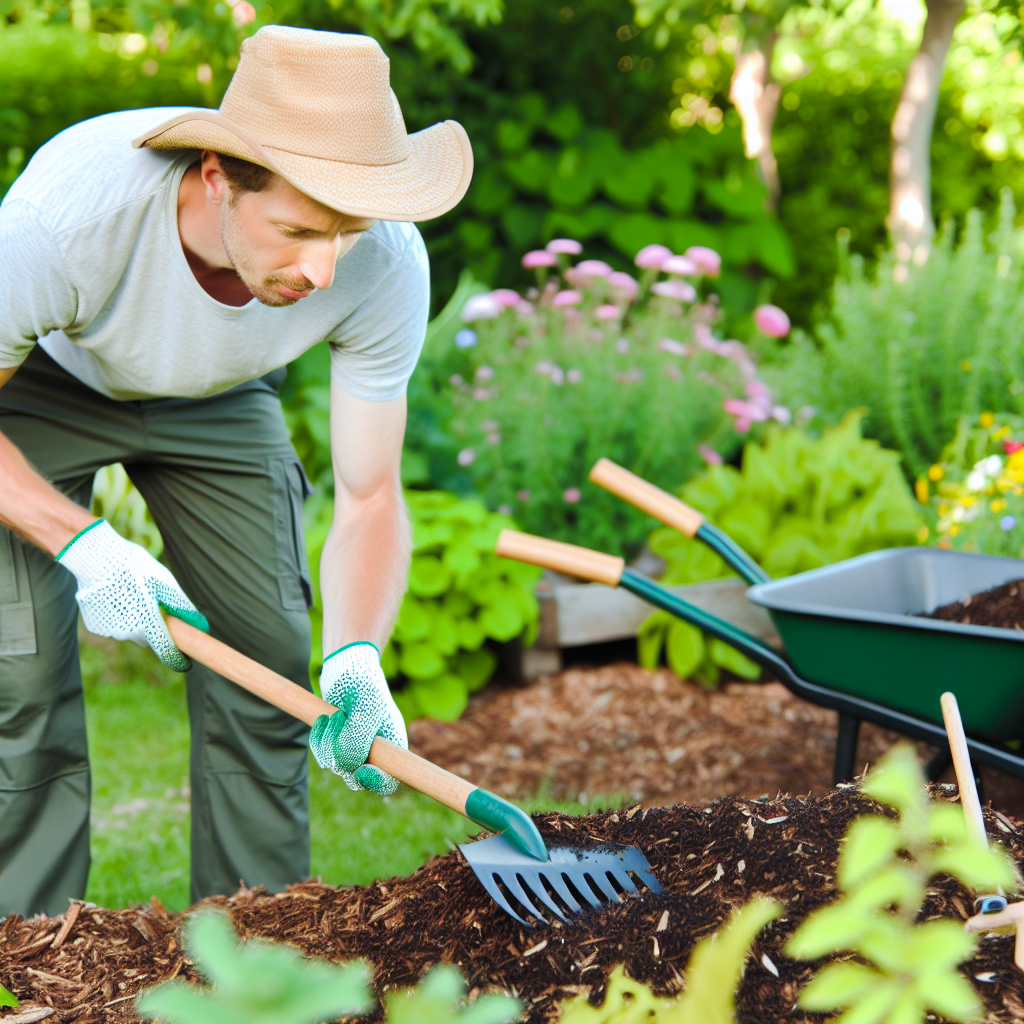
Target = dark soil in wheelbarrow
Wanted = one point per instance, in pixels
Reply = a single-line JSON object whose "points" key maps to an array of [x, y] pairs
{"points": [[1001, 606], [650, 738], [709, 860]]}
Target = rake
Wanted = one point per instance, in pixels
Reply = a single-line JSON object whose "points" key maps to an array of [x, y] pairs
{"points": [[518, 870]]}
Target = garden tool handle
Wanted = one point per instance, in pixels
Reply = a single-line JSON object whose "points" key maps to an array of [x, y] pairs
{"points": [[647, 497], [567, 558], [962, 765], [401, 764]]}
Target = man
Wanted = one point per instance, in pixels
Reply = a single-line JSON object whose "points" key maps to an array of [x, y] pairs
{"points": [[153, 274]]}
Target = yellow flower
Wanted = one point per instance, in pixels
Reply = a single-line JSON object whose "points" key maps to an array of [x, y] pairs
{"points": [[936, 473], [954, 530], [998, 505], [944, 508], [986, 419], [966, 366], [922, 535], [999, 434], [921, 490]]}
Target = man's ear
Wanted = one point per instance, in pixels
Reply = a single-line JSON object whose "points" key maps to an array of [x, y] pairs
{"points": [[216, 184]]}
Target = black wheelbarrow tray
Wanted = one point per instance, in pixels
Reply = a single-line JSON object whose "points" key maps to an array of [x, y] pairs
{"points": [[855, 642]]}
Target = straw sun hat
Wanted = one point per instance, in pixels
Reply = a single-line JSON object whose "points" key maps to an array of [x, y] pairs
{"points": [[317, 108]]}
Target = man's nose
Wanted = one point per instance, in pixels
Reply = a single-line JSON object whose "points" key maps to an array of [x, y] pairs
{"points": [[317, 265]]}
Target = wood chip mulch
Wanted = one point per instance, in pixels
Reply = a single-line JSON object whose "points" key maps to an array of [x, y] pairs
{"points": [[1002, 607], [709, 860]]}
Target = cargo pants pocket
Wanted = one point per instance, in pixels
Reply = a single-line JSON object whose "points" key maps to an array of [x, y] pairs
{"points": [[291, 488], [17, 620]]}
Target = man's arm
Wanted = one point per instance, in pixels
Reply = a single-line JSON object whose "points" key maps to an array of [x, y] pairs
{"points": [[29, 505], [366, 556]]}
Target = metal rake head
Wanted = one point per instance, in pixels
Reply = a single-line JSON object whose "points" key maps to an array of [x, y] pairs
{"points": [[571, 881]]}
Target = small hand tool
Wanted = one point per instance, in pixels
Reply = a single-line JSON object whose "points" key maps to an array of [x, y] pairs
{"points": [[515, 867]]}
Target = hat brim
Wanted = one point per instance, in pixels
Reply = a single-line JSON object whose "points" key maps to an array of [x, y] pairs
{"points": [[430, 181]]}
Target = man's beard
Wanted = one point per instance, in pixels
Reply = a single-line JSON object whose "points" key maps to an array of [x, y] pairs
{"points": [[263, 289]]}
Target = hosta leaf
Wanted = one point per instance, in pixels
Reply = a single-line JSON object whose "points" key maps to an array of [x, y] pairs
{"points": [[445, 696], [684, 648], [415, 620], [650, 638], [502, 620], [389, 660], [421, 660], [727, 657], [428, 577], [445, 634], [461, 559], [471, 634], [475, 667]]}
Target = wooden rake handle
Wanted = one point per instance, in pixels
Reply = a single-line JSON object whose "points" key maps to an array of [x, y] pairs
{"points": [[962, 765], [568, 558], [401, 764], [646, 497]]}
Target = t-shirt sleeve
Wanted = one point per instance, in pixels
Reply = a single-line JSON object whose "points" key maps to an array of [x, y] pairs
{"points": [[36, 296], [375, 348]]}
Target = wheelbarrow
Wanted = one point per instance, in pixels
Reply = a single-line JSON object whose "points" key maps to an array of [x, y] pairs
{"points": [[853, 633]]}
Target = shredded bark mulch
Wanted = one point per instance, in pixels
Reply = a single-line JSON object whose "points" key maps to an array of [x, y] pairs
{"points": [[1001, 606], [652, 738], [709, 860]]}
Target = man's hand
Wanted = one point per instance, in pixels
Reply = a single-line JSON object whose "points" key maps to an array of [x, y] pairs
{"points": [[122, 589], [353, 682]]}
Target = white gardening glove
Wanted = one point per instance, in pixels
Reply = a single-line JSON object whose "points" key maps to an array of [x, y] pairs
{"points": [[353, 682], [121, 589]]}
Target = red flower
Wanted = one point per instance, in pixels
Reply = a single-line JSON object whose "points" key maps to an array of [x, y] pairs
{"points": [[1012, 446]]}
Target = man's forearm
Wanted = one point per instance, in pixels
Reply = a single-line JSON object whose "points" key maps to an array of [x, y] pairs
{"points": [[364, 567], [32, 507]]}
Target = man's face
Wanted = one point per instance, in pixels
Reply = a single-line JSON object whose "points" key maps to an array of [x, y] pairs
{"points": [[284, 245]]}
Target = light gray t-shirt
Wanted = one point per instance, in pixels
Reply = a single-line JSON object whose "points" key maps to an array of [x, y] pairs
{"points": [[91, 268]]}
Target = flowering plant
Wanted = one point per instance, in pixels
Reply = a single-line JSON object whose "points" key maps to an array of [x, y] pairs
{"points": [[594, 362], [976, 490]]}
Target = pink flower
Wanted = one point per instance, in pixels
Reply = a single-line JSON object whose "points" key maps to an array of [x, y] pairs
{"points": [[593, 268], [565, 246], [673, 347], [708, 261], [680, 265], [572, 495], [466, 457], [772, 320], [752, 411], [624, 283], [781, 414], [607, 312], [524, 308], [481, 307], [735, 406], [651, 257], [567, 297], [243, 13], [757, 389], [574, 376], [523, 495], [538, 258], [709, 455], [681, 290], [505, 297]]}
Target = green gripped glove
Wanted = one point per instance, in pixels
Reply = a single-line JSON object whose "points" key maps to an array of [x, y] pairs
{"points": [[122, 589], [353, 682]]}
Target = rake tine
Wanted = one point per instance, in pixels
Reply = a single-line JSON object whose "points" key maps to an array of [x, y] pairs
{"points": [[536, 883], [557, 881], [499, 897], [627, 883], [511, 882], [588, 890], [600, 878]]}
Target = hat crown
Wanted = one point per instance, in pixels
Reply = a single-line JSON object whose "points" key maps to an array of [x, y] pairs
{"points": [[318, 94]]}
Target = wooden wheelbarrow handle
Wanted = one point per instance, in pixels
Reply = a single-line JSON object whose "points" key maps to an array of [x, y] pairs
{"points": [[401, 764], [647, 497]]}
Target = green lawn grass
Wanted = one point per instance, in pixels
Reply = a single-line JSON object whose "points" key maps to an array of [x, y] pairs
{"points": [[138, 742]]}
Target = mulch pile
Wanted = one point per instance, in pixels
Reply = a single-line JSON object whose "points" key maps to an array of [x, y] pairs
{"points": [[709, 861], [1001, 606]]}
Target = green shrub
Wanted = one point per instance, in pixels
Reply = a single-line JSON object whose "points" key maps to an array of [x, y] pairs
{"points": [[592, 364], [799, 502], [978, 504], [920, 346], [906, 966], [261, 982], [712, 975], [460, 596]]}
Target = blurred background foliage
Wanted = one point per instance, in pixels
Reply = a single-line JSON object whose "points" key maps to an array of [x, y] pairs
{"points": [[583, 122]]}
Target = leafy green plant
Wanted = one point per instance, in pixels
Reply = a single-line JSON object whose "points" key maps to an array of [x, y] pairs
{"points": [[920, 346], [594, 363], [905, 966], [711, 978], [7, 998], [261, 982], [460, 596], [978, 504], [797, 503]]}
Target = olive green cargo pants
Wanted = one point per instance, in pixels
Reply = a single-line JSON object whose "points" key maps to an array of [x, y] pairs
{"points": [[226, 489]]}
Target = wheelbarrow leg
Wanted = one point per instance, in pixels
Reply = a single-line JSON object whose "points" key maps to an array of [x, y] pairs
{"points": [[846, 749]]}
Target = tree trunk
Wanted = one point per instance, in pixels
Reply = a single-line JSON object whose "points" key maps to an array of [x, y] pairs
{"points": [[910, 207], [756, 98]]}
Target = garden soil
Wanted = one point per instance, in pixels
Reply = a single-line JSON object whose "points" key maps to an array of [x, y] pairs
{"points": [[1001, 606], [88, 965]]}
